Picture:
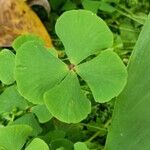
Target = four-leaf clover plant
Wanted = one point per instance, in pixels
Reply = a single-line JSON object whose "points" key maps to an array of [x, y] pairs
{"points": [[43, 78]]}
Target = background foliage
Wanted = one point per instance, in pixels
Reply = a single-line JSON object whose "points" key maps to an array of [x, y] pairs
{"points": [[125, 18]]}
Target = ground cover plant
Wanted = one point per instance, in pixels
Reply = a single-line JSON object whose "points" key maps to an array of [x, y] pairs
{"points": [[63, 99]]}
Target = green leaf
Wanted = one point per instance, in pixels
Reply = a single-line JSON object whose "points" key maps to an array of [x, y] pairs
{"points": [[129, 37], [80, 146], [51, 133], [56, 134], [111, 1], [104, 6], [37, 71], [69, 5], [60, 148], [61, 143], [42, 113], [7, 63], [11, 99], [130, 128], [82, 33], [14, 137], [74, 132], [53, 51], [106, 75], [91, 5], [29, 119], [37, 144], [19, 41], [56, 4], [70, 105]]}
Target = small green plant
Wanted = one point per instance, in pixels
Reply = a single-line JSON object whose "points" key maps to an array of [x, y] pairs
{"points": [[44, 79], [50, 87]]}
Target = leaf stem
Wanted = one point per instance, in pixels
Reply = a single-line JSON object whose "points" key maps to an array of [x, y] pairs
{"points": [[107, 123], [93, 137], [94, 127], [99, 132], [130, 12], [129, 16], [123, 28]]}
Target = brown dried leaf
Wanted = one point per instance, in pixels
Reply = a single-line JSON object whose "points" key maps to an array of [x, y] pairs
{"points": [[17, 18]]}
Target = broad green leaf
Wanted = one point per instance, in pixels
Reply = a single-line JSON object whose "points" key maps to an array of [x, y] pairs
{"points": [[7, 63], [106, 75], [37, 144], [26, 38], [42, 113], [80, 146], [130, 128], [14, 137], [82, 33], [10, 99], [29, 119], [37, 71], [70, 105], [61, 143]]}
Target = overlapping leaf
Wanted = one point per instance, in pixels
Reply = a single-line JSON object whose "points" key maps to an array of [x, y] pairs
{"points": [[29, 119], [82, 33], [42, 113], [105, 75], [10, 99], [14, 137], [37, 71], [26, 38], [91, 5], [70, 105], [36, 144], [62, 144], [7, 64], [80, 146]]}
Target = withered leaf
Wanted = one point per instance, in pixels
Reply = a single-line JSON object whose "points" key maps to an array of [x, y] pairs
{"points": [[17, 18]]}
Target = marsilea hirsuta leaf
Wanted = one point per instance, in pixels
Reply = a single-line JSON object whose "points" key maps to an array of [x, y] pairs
{"points": [[43, 78]]}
